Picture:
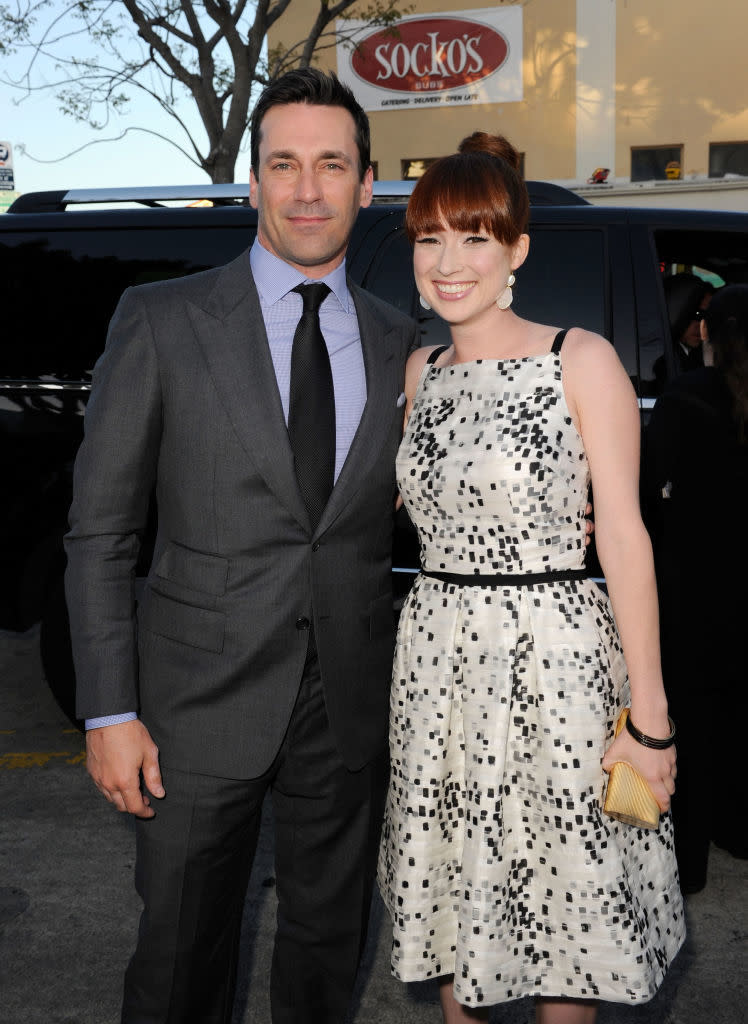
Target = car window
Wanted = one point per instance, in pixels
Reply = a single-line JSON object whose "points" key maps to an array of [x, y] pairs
{"points": [[390, 275], [718, 257], [81, 274], [713, 254]]}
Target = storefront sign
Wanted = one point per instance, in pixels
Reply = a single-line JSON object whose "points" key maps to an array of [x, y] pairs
{"points": [[435, 60]]}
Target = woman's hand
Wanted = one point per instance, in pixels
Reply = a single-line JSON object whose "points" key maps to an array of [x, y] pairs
{"points": [[589, 524], [656, 767]]}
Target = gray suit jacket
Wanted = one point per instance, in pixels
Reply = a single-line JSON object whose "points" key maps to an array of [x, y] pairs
{"points": [[185, 399]]}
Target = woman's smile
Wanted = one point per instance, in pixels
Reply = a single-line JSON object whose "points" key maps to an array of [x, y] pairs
{"points": [[453, 290]]}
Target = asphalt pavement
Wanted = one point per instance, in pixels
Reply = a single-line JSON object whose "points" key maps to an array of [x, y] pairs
{"points": [[68, 910]]}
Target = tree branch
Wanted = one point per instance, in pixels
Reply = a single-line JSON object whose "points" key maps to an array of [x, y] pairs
{"points": [[209, 52], [117, 138]]}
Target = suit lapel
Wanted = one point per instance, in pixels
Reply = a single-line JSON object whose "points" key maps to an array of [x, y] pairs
{"points": [[382, 386], [231, 334]]}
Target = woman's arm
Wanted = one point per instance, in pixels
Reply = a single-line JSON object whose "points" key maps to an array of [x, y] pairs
{"points": [[603, 406], [413, 370]]}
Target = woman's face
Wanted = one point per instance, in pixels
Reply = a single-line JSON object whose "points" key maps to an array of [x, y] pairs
{"points": [[461, 275]]}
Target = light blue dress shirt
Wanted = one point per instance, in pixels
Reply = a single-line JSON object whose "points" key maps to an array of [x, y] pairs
{"points": [[281, 311]]}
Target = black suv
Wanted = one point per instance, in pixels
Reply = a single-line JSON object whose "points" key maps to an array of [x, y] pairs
{"points": [[66, 257]]}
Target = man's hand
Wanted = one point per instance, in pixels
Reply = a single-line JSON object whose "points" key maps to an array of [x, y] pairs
{"points": [[589, 524], [116, 756]]}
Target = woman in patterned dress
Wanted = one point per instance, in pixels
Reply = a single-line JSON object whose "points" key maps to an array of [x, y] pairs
{"points": [[502, 875]]}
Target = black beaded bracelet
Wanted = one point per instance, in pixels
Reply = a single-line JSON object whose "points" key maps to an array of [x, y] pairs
{"points": [[650, 741]]}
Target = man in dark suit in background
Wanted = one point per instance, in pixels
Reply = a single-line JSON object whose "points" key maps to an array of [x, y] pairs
{"points": [[261, 655]]}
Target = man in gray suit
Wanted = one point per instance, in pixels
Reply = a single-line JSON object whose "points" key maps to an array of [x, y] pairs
{"points": [[259, 657]]}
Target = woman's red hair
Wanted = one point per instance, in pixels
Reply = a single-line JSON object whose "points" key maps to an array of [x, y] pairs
{"points": [[477, 188]]}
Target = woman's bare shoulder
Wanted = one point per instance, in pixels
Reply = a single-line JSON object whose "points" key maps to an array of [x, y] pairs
{"points": [[587, 353], [414, 367]]}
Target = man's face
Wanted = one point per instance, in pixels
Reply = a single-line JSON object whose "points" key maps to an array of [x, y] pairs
{"points": [[692, 334], [309, 189]]}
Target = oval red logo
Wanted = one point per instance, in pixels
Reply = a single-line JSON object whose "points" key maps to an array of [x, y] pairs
{"points": [[429, 54]]}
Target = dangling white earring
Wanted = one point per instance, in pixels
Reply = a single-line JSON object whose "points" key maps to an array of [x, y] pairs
{"points": [[423, 301], [504, 300]]}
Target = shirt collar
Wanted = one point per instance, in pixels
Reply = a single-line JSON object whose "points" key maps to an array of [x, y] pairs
{"points": [[275, 278]]}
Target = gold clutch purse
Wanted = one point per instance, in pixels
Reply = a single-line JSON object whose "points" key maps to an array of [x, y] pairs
{"points": [[628, 798]]}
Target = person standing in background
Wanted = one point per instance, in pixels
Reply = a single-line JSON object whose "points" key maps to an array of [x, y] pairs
{"points": [[695, 465], [687, 297]]}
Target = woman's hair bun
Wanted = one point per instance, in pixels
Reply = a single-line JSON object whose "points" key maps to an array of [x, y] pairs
{"points": [[493, 145]]}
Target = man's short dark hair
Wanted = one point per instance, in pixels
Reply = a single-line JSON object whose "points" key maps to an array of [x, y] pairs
{"points": [[310, 85]]}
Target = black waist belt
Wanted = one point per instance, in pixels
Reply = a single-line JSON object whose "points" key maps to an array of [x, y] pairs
{"points": [[505, 579]]}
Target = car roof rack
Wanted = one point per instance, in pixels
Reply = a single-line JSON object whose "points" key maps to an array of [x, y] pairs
{"points": [[150, 195], [542, 193]]}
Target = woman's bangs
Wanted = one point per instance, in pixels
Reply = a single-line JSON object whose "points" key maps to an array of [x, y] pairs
{"points": [[463, 204]]}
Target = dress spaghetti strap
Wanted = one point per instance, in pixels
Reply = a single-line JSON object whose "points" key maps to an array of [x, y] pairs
{"points": [[436, 353], [558, 341]]}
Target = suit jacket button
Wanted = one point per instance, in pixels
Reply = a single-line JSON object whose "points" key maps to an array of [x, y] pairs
{"points": [[316, 546], [302, 623]]}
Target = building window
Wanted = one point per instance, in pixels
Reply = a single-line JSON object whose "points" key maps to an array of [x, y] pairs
{"points": [[414, 168], [728, 158], [658, 163]]}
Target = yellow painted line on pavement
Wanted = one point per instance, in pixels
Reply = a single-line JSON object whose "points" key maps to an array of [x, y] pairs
{"points": [[39, 759]]}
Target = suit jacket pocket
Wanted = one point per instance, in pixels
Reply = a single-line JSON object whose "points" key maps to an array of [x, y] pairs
{"points": [[194, 569], [185, 623]]}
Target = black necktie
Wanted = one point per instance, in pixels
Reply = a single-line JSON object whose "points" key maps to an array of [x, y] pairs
{"points": [[311, 410]]}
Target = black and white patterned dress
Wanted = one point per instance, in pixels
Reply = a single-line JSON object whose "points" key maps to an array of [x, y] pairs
{"points": [[497, 864]]}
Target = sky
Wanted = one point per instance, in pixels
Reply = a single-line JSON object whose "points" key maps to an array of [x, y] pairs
{"points": [[138, 159]]}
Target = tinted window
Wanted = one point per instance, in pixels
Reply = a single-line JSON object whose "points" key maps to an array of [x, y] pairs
{"points": [[563, 280], [721, 253], [718, 257], [728, 158], [60, 288], [390, 276]]}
